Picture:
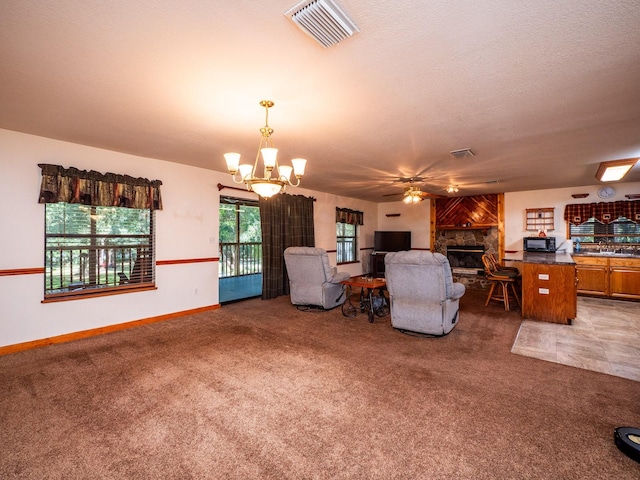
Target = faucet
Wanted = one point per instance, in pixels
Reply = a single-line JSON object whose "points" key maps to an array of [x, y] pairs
{"points": [[600, 246]]}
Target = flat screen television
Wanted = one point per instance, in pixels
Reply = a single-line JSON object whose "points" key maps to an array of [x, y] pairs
{"points": [[391, 241]]}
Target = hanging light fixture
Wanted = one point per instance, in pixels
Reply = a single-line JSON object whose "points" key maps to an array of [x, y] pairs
{"points": [[413, 195], [452, 189], [267, 185]]}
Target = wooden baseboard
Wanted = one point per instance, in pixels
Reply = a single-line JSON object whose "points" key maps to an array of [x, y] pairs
{"points": [[69, 337]]}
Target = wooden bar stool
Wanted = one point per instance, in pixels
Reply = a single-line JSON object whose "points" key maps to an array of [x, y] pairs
{"points": [[503, 283]]}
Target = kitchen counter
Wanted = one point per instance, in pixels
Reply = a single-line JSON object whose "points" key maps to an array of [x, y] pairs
{"points": [[557, 258], [606, 254]]}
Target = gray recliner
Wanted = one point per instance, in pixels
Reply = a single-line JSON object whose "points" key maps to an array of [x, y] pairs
{"points": [[423, 296], [312, 281]]}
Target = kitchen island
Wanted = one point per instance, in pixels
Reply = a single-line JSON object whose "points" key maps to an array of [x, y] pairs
{"points": [[549, 286]]}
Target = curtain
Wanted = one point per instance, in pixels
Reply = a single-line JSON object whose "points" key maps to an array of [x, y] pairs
{"points": [[71, 185], [603, 212], [286, 221], [352, 217]]}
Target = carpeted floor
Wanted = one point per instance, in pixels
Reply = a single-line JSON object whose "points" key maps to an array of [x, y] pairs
{"points": [[260, 390]]}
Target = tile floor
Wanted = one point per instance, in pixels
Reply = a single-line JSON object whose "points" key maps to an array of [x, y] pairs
{"points": [[604, 337]]}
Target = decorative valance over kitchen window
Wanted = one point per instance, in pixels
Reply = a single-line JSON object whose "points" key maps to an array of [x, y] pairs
{"points": [[71, 185], [603, 212], [352, 217]]}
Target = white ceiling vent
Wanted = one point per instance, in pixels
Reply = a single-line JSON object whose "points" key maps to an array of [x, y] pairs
{"points": [[323, 21], [463, 152]]}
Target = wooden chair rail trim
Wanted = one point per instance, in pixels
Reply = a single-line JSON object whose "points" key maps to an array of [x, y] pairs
{"points": [[69, 337], [21, 271], [40, 270], [187, 260]]}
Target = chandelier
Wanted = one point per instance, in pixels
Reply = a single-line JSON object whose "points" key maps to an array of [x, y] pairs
{"points": [[267, 185], [413, 195]]}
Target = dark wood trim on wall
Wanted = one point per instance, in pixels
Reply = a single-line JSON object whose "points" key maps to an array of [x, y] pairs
{"points": [[43, 342], [40, 270], [21, 271], [187, 260]]}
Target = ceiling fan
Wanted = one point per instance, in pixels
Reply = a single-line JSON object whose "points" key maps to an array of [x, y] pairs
{"points": [[412, 193]]}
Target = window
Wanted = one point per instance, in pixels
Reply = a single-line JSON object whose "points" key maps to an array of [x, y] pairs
{"points": [[347, 242], [91, 249], [621, 230]]}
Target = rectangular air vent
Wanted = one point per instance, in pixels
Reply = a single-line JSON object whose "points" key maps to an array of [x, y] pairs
{"points": [[323, 21], [463, 152]]}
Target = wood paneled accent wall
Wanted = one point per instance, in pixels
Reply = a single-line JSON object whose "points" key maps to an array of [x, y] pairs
{"points": [[481, 211]]}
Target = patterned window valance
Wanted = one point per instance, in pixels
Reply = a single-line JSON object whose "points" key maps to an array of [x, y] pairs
{"points": [[352, 217], [71, 185], [605, 212]]}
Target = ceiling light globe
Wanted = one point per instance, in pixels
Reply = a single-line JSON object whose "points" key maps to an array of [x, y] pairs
{"points": [[266, 189], [284, 172], [269, 157], [246, 171], [232, 159], [299, 164]]}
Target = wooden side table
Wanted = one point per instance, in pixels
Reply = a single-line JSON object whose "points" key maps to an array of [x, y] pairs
{"points": [[367, 298]]}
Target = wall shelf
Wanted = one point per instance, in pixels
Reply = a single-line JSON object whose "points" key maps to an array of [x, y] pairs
{"points": [[539, 219]]}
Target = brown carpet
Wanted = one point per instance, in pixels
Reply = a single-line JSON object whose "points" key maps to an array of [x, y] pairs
{"points": [[260, 390]]}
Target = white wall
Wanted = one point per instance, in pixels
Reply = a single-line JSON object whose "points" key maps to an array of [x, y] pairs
{"points": [[516, 204], [415, 218], [187, 228]]}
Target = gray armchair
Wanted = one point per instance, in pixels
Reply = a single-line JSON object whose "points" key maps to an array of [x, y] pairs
{"points": [[312, 280], [423, 297]]}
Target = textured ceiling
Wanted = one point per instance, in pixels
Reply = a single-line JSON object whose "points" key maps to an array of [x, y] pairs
{"points": [[542, 91]]}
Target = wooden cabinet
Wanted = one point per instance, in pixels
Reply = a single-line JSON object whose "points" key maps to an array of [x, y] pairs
{"points": [[593, 275], [549, 292], [608, 277], [538, 219], [624, 277]]}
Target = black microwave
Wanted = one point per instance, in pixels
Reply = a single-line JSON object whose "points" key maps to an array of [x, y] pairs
{"points": [[539, 244]]}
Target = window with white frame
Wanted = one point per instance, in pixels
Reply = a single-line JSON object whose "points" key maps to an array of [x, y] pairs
{"points": [[347, 222], [346, 242]]}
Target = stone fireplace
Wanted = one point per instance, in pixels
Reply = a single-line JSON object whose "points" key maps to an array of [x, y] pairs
{"points": [[466, 228], [471, 241]]}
